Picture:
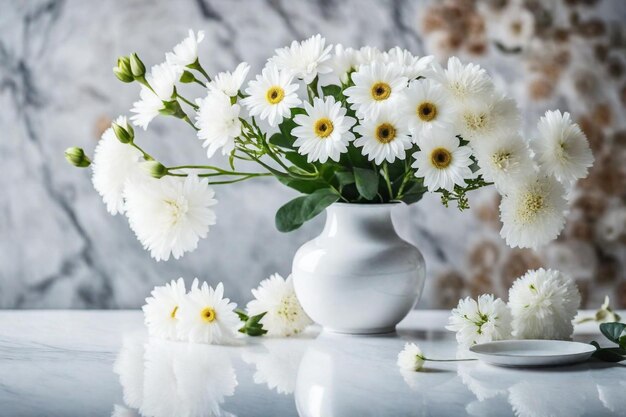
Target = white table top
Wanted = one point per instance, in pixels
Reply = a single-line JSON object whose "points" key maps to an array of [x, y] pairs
{"points": [[95, 363]]}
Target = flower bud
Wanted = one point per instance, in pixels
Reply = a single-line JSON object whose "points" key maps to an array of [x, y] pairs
{"points": [[76, 156], [138, 69], [155, 168], [123, 71], [122, 134]]}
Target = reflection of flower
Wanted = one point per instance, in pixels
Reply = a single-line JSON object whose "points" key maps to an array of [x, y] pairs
{"points": [[166, 379], [612, 396], [543, 304], [276, 366], [119, 411]]}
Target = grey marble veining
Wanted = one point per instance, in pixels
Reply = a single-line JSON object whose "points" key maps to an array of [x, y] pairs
{"points": [[101, 363], [58, 246]]}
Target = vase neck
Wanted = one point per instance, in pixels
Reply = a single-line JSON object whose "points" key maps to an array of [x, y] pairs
{"points": [[359, 221]]}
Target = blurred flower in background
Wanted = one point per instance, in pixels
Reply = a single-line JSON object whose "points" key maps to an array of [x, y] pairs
{"points": [[569, 54]]}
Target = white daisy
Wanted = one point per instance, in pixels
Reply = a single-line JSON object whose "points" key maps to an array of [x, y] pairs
{"points": [[428, 106], [186, 52], [411, 358], [412, 66], [304, 59], [206, 316], [272, 95], [367, 55], [465, 82], [218, 123], [494, 116], [113, 164], [160, 310], [230, 83], [480, 321], [533, 212], [343, 62], [441, 161], [171, 214], [384, 136], [324, 131], [162, 79], [276, 297], [543, 304], [375, 85], [504, 160], [562, 148]]}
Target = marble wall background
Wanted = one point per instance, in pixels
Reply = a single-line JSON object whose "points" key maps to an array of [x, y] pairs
{"points": [[58, 246]]}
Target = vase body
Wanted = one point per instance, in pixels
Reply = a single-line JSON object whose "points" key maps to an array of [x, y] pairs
{"points": [[358, 276]]}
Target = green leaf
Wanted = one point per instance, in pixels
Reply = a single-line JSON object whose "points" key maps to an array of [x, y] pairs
{"points": [[622, 341], [366, 182], [281, 140], [303, 186], [610, 354], [414, 192], [333, 91], [345, 178], [299, 210], [242, 315], [300, 161], [613, 331]]}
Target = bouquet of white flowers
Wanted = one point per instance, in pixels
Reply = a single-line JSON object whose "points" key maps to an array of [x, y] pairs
{"points": [[335, 124]]}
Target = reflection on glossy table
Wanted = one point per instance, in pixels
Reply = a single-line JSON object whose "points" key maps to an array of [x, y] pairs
{"points": [[101, 363]]}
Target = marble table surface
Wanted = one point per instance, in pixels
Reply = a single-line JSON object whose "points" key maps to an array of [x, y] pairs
{"points": [[101, 363]]}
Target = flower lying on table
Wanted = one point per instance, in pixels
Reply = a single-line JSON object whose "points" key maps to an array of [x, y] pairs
{"points": [[411, 358], [542, 305], [204, 315]]}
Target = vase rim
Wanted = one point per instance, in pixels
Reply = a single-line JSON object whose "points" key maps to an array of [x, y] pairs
{"points": [[366, 205]]}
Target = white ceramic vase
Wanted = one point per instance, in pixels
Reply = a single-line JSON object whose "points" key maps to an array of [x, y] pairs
{"points": [[358, 276]]}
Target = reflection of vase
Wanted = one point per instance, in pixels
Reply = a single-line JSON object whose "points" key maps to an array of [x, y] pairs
{"points": [[358, 276]]}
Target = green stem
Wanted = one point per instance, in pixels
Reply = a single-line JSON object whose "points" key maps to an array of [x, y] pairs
{"points": [[219, 171], [238, 179], [449, 360], [196, 66], [194, 106], [386, 172], [146, 155], [186, 119]]}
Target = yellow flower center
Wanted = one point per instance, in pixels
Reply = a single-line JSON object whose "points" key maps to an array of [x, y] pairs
{"points": [[208, 315], [275, 95], [475, 121], [501, 159], [385, 133], [531, 204], [381, 91], [173, 313], [427, 111], [323, 127], [440, 158]]}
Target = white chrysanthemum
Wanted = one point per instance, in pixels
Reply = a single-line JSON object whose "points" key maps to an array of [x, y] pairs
{"points": [[411, 358], [384, 136], [162, 79], [343, 62], [368, 55], [160, 310], [272, 95], [276, 297], [230, 83], [465, 82], [206, 316], [533, 212], [562, 148], [412, 66], [494, 116], [186, 52], [375, 86], [113, 164], [324, 131], [304, 59], [481, 321], [171, 214], [428, 106], [543, 304], [218, 123], [504, 160], [441, 161]]}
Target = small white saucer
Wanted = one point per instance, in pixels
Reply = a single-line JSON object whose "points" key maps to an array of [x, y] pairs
{"points": [[532, 352]]}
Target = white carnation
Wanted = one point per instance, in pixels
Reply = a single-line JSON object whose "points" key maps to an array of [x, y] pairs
{"points": [[480, 321], [411, 358]]}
